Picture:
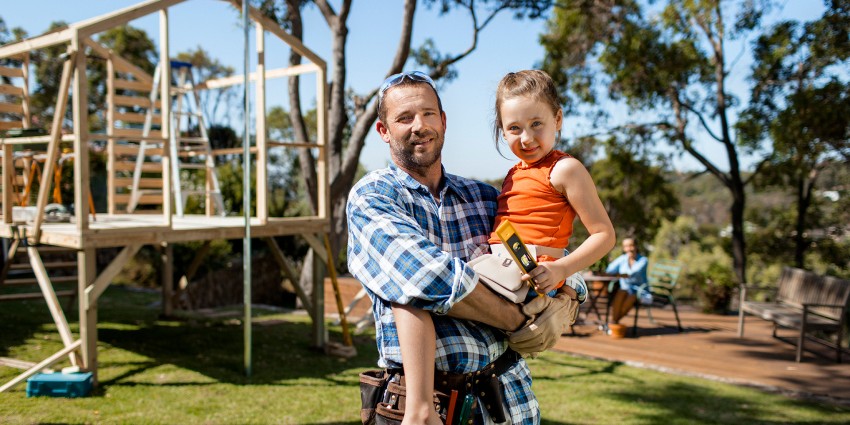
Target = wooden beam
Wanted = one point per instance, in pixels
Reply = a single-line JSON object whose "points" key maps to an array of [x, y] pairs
{"points": [[12, 108], [260, 130], [11, 90], [94, 291], [120, 64], [122, 16], [277, 253], [233, 80], [53, 145], [110, 127], [25, 100], [140, 86], [165, 111], [51, 299], [63, 35], [81, 139], [8, 176], [323, 185], [86, 273], [275, 29], [317, 245], [6, 71], [50, 361]]}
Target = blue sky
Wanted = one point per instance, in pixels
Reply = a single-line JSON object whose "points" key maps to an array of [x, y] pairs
{"points": [[374, 25]]}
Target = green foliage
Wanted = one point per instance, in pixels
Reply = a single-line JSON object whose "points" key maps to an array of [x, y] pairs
{"points": [[707, 274], [635, 193], [48, 76]]}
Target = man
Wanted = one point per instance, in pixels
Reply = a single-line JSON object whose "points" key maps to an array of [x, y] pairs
{"points": [[412, 227]]}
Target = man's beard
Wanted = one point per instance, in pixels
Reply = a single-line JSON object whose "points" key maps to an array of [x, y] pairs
{"points": [[407, 157]]}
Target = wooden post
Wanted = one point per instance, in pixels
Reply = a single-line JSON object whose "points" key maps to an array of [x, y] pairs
{"points": [[165, 113], [53, 145], [110, 144], [8, 176], [81, 137], [86, 273], [323, 196], [260, 116], [25, 98], [167, 255]]}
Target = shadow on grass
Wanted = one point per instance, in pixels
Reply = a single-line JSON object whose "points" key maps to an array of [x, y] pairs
{"points": [[626, 397], [280, 353], [128, 320], [696, 404]]}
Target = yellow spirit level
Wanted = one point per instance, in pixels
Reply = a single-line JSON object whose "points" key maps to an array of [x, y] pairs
{"points": [[511, 240]]}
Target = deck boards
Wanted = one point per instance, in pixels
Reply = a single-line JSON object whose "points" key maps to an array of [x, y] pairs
{"points": [[122, 229]]}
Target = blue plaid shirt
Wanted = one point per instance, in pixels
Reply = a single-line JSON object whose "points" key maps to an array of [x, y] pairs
{"points": [[406, 248]]}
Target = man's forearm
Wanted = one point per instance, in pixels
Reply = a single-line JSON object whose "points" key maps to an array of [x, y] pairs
{"points": [[485, 306]]}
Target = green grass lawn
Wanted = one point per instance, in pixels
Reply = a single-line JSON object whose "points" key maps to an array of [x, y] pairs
{"points": [[190, 371]]}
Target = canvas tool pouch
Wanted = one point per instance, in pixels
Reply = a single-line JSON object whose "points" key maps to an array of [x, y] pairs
{"points": [[382, 392]]}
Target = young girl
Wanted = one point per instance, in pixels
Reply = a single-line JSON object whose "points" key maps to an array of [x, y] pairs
{"points": [[541, 196]]}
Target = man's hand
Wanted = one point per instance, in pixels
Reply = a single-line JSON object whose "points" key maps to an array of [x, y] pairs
{"points": [[548, 320]]}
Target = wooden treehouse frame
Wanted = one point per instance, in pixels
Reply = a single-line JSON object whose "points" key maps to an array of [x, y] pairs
{"points": [[130, 231]]}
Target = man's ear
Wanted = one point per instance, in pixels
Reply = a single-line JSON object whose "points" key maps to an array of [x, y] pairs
{"points": [[383, 131], [443, 116]]}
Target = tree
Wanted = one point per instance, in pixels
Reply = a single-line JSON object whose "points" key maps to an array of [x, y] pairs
{"points": [[668, 70], [48, 75], [801, 105], [352, 115], [635, 193]]}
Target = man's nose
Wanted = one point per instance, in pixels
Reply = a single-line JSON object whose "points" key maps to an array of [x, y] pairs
{"points": [[418, 124]]}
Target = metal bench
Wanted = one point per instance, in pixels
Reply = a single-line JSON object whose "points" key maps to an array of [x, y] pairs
{"points": [[803, 301]]}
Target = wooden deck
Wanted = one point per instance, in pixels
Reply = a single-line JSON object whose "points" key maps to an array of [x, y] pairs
{"points": [[708, 348], [121, 229]]}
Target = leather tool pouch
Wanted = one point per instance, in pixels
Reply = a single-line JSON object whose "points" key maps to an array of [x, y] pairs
{"points": [[501, 275], [383, 396]]}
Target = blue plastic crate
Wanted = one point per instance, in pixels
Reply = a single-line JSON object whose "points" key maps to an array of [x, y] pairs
{"points": [[59, 384]]}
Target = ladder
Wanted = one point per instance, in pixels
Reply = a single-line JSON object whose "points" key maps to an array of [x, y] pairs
{"points": [[187, 152]]}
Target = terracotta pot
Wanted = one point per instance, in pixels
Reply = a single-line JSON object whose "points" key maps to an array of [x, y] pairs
{"points": [[617, 330]]}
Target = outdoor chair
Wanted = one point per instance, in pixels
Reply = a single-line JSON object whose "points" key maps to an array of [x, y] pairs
{"points": [[663, 276]]}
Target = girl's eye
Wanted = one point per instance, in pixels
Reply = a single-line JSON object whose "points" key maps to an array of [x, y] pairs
{"points": [[537, 124]]}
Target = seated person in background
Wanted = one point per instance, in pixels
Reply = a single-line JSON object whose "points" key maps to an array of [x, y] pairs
{"points": [[633, 265]]}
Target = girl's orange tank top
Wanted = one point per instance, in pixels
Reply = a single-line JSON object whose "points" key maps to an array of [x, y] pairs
{"points": [[539, 213]]}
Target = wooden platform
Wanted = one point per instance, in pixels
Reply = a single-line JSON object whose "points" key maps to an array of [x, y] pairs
{"points": [[709, 348], [120, 229]]}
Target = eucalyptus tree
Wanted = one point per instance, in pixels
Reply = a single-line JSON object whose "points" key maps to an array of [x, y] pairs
{"points": [[800, 106], [668, 65]]}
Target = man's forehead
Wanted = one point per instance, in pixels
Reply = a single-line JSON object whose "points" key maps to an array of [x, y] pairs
{"points": [[411, 95]]}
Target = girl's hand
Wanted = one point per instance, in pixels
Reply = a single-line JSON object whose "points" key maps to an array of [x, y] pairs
{"points": [[545, 277]]}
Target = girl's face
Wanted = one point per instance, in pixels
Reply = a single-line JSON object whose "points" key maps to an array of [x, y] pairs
{"points": [[529, 127]]}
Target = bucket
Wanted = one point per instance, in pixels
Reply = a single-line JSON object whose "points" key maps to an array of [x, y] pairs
{"points": [[617, 330]]}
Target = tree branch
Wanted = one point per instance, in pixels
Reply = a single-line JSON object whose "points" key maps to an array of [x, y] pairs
{"points": [[702, 121]]}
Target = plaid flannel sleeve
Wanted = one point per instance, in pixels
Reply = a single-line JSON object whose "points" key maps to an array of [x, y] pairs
{"points": [[390, 254]]}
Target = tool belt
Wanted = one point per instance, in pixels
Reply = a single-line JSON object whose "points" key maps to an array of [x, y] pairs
{"points": [[382, 392]]}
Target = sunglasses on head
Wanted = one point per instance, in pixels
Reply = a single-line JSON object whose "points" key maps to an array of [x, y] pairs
{"points": [[396, 79]]}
